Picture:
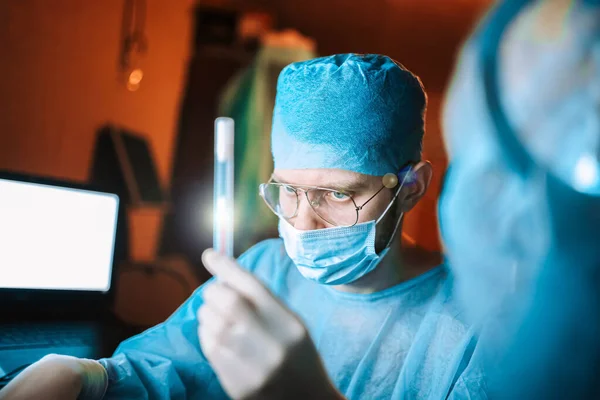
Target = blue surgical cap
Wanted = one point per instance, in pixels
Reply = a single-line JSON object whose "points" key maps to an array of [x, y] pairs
{"points": [[361, 113]]}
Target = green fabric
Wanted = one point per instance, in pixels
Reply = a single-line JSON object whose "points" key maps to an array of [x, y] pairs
{"points": [[249, 98]]}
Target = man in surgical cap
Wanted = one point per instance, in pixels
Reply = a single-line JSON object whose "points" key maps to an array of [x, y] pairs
{"points": [[336, 307]]}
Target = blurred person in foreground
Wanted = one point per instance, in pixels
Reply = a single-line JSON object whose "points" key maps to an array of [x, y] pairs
{"points": [[337, 306], [522, 125]]}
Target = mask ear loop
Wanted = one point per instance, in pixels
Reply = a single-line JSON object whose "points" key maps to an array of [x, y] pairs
{"points": [[407, 174]]}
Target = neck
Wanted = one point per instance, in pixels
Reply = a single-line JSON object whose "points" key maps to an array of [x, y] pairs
{"points": [[403, 262]]}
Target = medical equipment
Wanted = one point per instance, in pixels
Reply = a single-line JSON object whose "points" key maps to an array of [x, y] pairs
{"points": [[223, 186]]}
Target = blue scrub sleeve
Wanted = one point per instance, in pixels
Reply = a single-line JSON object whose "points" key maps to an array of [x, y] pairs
{"points": [[166, 362]]}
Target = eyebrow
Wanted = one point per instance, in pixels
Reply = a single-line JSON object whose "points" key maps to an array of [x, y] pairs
{"points": [[349, 185]]}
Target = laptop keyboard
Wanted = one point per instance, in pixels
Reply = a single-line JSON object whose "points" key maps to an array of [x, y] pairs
{"points": [[28, 336]]}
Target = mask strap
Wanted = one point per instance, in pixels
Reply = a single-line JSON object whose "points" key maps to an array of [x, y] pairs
{"points": [[389, 242], [394, 232], [395, 196]]}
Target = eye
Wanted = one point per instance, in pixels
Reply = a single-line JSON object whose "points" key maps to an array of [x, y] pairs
{"points": [[288, 190], [339, 196]]}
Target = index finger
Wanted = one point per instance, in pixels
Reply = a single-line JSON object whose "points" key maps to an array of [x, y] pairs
{"points": [[228, 271]]}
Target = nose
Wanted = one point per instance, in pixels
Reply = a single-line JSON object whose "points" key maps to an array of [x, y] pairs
{"points": [[306, 219]]}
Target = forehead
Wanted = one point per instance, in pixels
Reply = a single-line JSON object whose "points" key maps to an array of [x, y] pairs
{"points": [[328, 178]]}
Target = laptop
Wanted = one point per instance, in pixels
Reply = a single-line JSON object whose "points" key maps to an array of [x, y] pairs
{"points": [[59, 245]]}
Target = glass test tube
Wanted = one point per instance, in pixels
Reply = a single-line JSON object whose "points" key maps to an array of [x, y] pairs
{"points": [[223, 187]]}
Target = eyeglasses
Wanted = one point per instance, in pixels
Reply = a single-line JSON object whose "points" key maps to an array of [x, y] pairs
{"points": [[335, 207]]}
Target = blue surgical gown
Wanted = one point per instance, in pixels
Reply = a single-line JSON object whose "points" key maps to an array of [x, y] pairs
{"points": [[406, 342]]}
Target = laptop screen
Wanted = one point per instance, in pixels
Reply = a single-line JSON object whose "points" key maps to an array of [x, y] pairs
{"points": [[56, 238]]}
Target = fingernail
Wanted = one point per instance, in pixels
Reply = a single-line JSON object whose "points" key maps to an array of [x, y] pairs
{"points": [[207, 255]]}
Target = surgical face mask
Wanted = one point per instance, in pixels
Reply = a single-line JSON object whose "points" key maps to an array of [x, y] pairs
{"points": [[339, 255]]}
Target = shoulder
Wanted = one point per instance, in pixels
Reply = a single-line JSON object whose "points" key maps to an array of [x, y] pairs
{"points": [[266, 259], [267, 250]]}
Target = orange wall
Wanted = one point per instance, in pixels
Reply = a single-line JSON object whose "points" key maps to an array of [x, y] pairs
{"points": [[59, 81]]}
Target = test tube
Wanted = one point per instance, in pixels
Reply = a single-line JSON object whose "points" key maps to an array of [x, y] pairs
{"points": [[223, 187]]}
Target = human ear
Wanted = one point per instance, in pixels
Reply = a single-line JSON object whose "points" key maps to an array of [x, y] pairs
{"points": [[415, 185]]}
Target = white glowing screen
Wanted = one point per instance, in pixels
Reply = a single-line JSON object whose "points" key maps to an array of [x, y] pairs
{"points": [[56, 238]]}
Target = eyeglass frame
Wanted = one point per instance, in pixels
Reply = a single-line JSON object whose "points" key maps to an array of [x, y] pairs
{"points": [[307, 188]]}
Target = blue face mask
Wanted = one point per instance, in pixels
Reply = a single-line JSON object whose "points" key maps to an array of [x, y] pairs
{"points": [[339, 255], [332, 256]]}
